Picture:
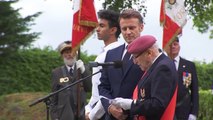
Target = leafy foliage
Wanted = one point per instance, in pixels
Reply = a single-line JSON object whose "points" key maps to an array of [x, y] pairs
{"points": [[14, 29], [202, 14], [119, 5], [205, 76], [30, 70], [205, 105]]}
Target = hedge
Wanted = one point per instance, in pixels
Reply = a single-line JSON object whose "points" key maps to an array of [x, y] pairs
{"points": [[205, 105], [29, 70]]}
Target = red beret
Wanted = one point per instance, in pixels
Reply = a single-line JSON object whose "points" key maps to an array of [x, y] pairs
{"points": [[141, 44]]}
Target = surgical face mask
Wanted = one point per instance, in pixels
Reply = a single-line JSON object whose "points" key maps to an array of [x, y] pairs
{"points": [[70, 62]]}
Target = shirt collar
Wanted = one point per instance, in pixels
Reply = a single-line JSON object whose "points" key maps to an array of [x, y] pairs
{"points": [[68, 67], [177, 59], [110, 46]]}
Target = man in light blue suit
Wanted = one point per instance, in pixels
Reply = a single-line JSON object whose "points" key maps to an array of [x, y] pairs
{"points": [[121, 82]]}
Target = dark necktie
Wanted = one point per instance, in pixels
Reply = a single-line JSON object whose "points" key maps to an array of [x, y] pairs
{"points": [[71, 72], [175, 63], [125, 60]]}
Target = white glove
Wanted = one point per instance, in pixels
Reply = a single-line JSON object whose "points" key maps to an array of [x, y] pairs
{"points": [[123, 103], [97, 112], [192, 117], [80, 65]]}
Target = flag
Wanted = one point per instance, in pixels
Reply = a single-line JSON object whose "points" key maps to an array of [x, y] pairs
{"points": [[169, 113], [173, 17], [84, 22]]}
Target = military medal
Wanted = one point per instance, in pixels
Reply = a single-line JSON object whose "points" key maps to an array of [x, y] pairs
{"points": [[142, 92], [65, 79], [187, 79]]}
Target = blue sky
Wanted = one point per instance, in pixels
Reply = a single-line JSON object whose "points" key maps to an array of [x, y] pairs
{"points": [[56, 23]]}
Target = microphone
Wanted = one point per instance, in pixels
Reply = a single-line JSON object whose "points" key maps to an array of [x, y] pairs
{"points": [[116, 64]]}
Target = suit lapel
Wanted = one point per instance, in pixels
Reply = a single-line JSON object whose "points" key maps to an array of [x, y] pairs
{"points": [[118, 57], [182, 65], [181, 68], [129, 64], [120, 51]]}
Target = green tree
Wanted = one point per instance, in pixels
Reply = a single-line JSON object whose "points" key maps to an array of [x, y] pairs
{"points": [[14, 29], [119, 5], [205, 76], [201, 12]]}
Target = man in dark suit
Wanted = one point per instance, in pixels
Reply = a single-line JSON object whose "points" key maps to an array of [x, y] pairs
{"points": [[69, 104], [120, 82], [157, 88], [187, 100]]}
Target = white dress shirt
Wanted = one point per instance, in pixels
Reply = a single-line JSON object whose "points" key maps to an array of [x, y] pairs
{"points": [[68, 67], [98, 109], [125, 50]]}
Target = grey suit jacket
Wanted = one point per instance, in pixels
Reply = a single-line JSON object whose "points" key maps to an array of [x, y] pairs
{"points": [[65, 104]]}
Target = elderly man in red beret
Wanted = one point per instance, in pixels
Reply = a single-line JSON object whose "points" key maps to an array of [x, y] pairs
{"points": [[156, 91]]}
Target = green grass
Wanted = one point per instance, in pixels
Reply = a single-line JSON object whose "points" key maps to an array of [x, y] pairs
{"points": [[16, 107]]}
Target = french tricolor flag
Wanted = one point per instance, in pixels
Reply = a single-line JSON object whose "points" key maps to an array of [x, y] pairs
{"points": [[173, 17], [84, 22]]}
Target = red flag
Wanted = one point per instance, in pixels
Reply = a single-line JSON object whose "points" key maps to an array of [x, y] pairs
{"points": [[169, 113], [84, 22], [172, 18]]}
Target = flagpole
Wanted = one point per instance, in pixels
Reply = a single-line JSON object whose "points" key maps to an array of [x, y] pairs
{"points": [[83, 27], [79, 53]]}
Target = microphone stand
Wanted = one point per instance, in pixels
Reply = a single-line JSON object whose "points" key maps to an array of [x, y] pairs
{"points": [[46, 99]]}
